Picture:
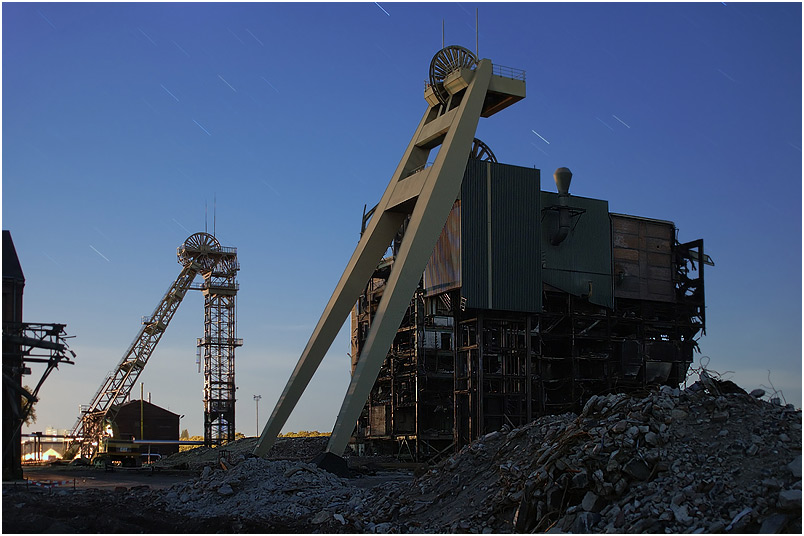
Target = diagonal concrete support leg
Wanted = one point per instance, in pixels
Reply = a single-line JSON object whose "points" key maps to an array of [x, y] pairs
{"points": [[429, 194], [363, 263], [432, 207], [375, 240]]}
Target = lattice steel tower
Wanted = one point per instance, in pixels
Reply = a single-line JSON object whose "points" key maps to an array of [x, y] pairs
{"points": [[217, 346]]}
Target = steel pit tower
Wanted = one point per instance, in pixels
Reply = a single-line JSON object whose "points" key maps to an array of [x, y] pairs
{"points": [[217, 347], [460, 91], [201, 253]]}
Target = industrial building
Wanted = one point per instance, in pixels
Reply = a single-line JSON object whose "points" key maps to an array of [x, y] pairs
{"points": [[148, 422], [46, 447], [13, 288], [24, 344], [531, 302]]}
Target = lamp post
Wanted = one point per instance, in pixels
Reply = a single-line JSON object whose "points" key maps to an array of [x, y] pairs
{"points": [[257, 400]]}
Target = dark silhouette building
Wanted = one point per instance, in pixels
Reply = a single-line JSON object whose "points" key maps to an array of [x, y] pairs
{"points": [[158, 424], [13, 284]]}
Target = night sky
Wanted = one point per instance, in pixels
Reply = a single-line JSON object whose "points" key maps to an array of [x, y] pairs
{"points": [[128, 127]]}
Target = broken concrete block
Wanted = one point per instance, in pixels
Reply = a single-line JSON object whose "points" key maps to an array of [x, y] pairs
{"points": [[320, 517], [584, 522], [681, 514], [795, 466], [580, 480], [774, 524], [637, 469], [790, 499], [592, 502]]}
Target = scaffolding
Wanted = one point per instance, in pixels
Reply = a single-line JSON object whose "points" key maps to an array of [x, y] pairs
{"points": [[455, 374]]}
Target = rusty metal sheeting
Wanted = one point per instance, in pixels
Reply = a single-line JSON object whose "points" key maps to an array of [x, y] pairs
{"points": [[443, 272], [643, 258]]}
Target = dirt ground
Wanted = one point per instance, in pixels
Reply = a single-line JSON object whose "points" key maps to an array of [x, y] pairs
{"points": [[88, 477], [70, 500], [114, 503]]}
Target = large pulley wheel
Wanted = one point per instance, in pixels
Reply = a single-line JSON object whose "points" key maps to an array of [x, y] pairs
{"points": [[481, 151], [197, 248], [444, 62]]}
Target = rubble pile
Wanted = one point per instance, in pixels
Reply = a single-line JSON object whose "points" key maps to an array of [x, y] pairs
{"points": [[285, 448], [707, 459], [297, 448], [276, 491], [674, 461]]}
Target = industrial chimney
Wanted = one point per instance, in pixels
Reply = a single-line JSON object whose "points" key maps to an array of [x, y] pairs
{"points": [[563, 177]]}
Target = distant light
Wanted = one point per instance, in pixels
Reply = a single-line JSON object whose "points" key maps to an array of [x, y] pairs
{"points": [[227, 83], [255, 37], [542, 137], [148, 37], [202, 128], [379, 6], [48, 20], [620, 120], [99, 253], [727, 76], [169, 93], [604, 123]]}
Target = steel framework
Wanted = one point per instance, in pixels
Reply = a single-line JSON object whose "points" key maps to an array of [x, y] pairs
{"points": [[201, 254], [217, 347], [454, 374], [25, 343]]}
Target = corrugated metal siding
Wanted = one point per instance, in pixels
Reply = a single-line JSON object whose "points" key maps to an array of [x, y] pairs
{"points": [[507, 254], [474, 232], [516, 275], [581, 264]]}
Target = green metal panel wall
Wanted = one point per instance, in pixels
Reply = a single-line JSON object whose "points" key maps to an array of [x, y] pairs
{"points": [[474, 231], [500, 254], [581, 264]]}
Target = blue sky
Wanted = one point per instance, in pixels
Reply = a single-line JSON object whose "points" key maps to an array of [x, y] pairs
{"points": [[122, 122]]}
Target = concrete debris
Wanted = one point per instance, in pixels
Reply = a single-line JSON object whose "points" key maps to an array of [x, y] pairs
{"points": [[736, 521], [790, 499], [704, 460], [285, 448], [661, 463], [795, 467], [276, 491], [774, 524]]}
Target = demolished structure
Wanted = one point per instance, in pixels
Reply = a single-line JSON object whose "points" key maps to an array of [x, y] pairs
{"points": [[531, 303]]}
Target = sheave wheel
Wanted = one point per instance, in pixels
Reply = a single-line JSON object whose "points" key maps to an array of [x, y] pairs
{"points": [[445, 61]]}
